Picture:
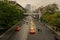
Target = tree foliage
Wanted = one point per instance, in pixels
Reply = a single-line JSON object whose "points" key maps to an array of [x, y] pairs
{"points": [[53, 19], [51, 8], [9, 14], [51, 15]]}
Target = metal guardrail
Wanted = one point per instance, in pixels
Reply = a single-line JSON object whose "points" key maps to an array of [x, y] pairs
{"points": [[57, 36], [5, 35], [9, 32]]}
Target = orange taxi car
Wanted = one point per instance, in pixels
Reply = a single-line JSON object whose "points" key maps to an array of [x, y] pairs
{"points": [[32, 31], [17, 28]]}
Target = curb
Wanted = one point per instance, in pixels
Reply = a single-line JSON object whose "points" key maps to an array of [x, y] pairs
{"points": [[9, 32], [52, 29], [56, 34]]}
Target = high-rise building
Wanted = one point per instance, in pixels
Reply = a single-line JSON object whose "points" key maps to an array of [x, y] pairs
{"points": [[28, 7]]}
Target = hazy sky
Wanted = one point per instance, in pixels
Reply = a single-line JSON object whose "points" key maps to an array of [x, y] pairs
{"points": [[37, 3]]}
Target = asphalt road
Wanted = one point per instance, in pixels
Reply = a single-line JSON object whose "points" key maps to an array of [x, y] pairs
{"points": [[43, 34], [23, 34]]}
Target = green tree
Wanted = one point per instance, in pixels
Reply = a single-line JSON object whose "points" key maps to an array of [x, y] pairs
{"points": [[51, 8], [9, 14], [53, 19]]}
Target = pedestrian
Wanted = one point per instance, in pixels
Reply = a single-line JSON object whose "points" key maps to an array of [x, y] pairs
{"points": [[38, 30], [41, 30], [56, 38]]}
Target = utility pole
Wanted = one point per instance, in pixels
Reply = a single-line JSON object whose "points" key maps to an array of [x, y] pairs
{"points": [[40, 15]]}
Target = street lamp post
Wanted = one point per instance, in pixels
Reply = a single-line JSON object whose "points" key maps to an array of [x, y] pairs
{"points": [[39, 15]]}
